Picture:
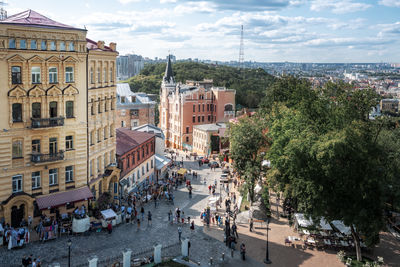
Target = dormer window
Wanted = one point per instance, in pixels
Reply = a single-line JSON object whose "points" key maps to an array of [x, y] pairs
{"points": [[123, 99], [133, 99]]}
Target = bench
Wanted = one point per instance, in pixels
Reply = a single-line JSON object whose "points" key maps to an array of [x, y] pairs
{"points": [[261, 222]]}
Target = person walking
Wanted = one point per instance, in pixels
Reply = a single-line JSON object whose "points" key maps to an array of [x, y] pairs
{"points": [[234, 231], [251, 225], [243, 251], [149, 218], [138, 224], [155, 201], [179, 233], [142, 212], [109, 227], [169, 216]]}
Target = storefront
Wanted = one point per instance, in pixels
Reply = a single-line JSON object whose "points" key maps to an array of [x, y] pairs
{"points": [[162, 164]]}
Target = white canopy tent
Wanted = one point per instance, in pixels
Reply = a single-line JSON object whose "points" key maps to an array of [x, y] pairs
{"points": [[341, 227], [80, 225], [108, 214], [324, 225], [302, 221]]}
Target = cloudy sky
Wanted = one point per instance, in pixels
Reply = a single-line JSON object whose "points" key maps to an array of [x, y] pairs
{"points": [[274, 30]]}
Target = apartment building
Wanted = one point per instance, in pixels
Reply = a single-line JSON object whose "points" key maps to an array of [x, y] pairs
{"points": [[44, 118]]}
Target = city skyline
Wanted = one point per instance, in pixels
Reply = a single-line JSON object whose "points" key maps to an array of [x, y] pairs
{"points": [[274, 31]]}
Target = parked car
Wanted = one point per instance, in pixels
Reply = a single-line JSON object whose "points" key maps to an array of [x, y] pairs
{"points": [[213, 164], [205, 160]]}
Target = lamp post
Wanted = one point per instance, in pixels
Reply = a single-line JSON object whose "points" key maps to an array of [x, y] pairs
{"points": [[267, 260], [69, 243]]}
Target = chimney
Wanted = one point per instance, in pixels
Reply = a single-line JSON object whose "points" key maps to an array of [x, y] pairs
{"points": [[100, 44], [113, 46]]}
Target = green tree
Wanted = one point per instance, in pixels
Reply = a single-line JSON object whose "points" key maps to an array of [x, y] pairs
{"points": [[325, 154]]}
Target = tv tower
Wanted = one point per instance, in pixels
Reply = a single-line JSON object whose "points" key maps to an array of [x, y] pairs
{"points": [[3, 12], [241, 51]]}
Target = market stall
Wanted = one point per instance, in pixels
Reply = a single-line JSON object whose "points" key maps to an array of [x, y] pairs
{"points": [[108, 215], [80, 225], [302, 221]]}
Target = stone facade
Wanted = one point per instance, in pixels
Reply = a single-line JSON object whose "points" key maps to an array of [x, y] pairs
{"points": [[195, 103], [44, 141]]}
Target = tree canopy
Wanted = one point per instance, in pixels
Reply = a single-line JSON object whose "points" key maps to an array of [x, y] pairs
{"points": [[250, 84]]}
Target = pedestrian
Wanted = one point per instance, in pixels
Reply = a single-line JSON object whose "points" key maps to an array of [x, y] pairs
{"points": [[179, 233], [192, 226], [109, 227], [234, 231], [243, 251], [149, 218], [169, 215], [24, 260], [251, 225], [209, 189], [142, 212], [138, 224], [212, 218], [155, 201]]}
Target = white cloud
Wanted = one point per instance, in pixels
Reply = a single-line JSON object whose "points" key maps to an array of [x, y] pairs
{"points": [[195, 7], [129, 1], [168, 1], [390, 3], [338, 6]]}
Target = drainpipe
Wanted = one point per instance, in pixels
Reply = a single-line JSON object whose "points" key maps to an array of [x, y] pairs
{"points": [[87, 121]]}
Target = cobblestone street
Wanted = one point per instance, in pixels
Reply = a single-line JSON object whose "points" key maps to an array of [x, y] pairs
{"points": [[125, 236]]}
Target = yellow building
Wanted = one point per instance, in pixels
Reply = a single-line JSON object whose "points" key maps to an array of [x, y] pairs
{"points": [[44, 119]]}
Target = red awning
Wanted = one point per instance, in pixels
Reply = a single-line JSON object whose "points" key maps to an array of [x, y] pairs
{"points": [[62, 198]]}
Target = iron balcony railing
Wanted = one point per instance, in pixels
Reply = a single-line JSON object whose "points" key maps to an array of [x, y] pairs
{"points": [[39, 158], [47, 122]]}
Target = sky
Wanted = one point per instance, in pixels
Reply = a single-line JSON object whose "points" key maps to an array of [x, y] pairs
{"points": [[274, 30]]}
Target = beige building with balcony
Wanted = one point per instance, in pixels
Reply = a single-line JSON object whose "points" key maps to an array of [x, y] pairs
{"points": [[203, 135], [44, 119]]}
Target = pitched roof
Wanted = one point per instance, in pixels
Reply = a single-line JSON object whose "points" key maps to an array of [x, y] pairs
{"points": [[129, 139], [92, 45], [169, 74], [34, 19]]}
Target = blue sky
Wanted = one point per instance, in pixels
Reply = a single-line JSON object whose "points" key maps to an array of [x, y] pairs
{"points": [[274, 30]]}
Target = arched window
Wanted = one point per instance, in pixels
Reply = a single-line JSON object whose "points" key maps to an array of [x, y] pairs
{"points": [[228, 107], [17, 112], [36, 110]]}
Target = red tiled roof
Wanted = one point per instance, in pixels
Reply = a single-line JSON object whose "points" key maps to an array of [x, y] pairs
{"points": [[32, 18], [129, 139], [62, 198], [92, 45]]}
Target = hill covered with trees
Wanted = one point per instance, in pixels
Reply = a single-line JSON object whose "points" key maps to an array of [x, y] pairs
{"points": [[250, 84]]}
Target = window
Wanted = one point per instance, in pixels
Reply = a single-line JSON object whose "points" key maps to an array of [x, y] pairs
{"points": [[203, 107], [91, 168], [35, 71], [111, 75], [17, 183], [22, 44], [194, 119], [17, 112], [69, 109], [69, 74], [208, 107], [99, 105], [91, 75], [105, 133], [128, 162], [35, 180], [53, 109], [53, 45], [105, 104], [43, 45], [35, 146], [199, 108], [62, 46], [187, 129], [208, 118], [36, 110], [138, 155], [105, 160], [138, 174], [98, 135], [198, 119], [111, 157], [115, 188], [69, 174], [17, 149], [53, 145], [53, 176], [98, 164], [33, 44], [69, 142], [194, 108], [11, 43], [53, 75], [147, 167], [92, 107], [98, 75], [111, 130], [152, 166], [16, 75], [133, 158], [123, 99], [202, 118], [105, 75], [123, 112], [71, 46], [122, 124], [142, 152], [92, 138], [142, 170]]}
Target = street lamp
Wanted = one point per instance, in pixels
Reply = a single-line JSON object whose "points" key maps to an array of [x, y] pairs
{"points": [[267, 260], [69, 243]]}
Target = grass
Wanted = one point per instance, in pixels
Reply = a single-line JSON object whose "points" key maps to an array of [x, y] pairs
{"points": [[169, 263]]}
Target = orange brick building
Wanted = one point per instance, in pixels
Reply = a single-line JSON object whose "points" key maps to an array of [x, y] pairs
{"points": [[195, 103]]}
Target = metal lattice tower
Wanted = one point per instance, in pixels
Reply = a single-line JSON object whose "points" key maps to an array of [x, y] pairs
{"points": [[241, 51], [3, 12]]}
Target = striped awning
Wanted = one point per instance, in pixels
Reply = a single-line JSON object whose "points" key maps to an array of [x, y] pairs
{"points": [[62, 198]]}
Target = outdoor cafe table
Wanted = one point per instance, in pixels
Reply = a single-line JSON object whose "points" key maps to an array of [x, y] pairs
{"points": [[306, 232], [322, 233], [311, 241]]}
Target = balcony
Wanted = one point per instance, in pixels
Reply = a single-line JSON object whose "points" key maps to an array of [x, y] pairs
{"points": [[47, 122], [229, 113], [40, 158]]}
